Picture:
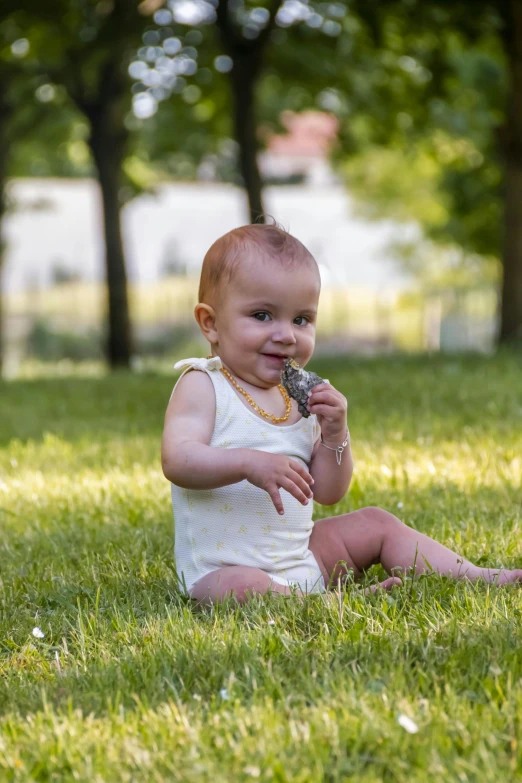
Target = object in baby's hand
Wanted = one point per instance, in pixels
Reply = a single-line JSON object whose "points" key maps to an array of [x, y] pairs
{"points": [[298, 383]]}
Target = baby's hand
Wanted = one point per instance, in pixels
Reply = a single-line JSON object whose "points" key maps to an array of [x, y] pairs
{"points": [[330, 407], [272, 471]]}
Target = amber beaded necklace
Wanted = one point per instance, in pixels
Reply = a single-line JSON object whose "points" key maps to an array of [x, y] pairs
{"points": [[253, 403]]}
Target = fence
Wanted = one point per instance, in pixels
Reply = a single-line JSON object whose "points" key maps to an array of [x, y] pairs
{"points": [[350, 320]]}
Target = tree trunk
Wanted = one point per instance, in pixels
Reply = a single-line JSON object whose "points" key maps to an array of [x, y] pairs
{"points": [[107, 147], [5, 112], [247, 58], [511, 301], [243, 80]]}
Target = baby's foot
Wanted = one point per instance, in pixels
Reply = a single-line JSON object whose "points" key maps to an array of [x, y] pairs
{"points": [[502, 577], [393, 581]]}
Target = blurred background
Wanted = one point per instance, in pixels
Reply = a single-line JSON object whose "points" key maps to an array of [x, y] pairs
{"points": [[386, 136]]}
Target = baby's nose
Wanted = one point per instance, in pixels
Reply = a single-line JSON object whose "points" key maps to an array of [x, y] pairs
{"points": [[285, 334]]}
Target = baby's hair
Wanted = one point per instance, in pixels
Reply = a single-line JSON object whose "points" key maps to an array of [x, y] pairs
{"points": [[266, 241]]}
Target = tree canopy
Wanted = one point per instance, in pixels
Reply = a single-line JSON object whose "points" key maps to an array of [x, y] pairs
{"points": [[424, 93]]}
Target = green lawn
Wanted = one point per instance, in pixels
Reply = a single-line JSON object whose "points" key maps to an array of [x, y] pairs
{"points": [[130, 683]]}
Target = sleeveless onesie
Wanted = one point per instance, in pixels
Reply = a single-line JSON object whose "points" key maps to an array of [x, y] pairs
{"points": [[238, 524]]}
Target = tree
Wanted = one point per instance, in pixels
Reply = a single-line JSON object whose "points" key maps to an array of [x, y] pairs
{"points": [[6, 112], [20, 113], [462, 134], [247, 55], [86, 47], [225, 56], [511, 143]]}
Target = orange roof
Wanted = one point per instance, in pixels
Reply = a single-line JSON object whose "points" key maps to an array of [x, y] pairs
{"points": [[309, 133]]}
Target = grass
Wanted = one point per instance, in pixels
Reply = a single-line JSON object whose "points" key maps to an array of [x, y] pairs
{"points": [[130, 683]]}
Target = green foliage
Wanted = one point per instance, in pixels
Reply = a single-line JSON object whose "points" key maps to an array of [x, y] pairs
{"points": [[130, 682], [51, 345], [41, 130], [46, 343], [76, 56], [194, 119], [166, 342], [419, 111], [438, 162]]}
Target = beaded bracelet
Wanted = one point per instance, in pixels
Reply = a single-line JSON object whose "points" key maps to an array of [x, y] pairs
{"points": [[339, 450]]}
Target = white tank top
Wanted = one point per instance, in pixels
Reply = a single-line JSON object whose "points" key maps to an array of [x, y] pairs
{"points": [[238, 524]]}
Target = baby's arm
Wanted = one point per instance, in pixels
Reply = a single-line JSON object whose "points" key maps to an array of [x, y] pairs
{"points": [[188, 461], [331, 480], [186, 457]]}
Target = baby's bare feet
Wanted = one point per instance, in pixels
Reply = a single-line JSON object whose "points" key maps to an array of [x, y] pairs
{"points": [[502, 577]]}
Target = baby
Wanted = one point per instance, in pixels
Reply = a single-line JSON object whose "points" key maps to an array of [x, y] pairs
{"points": [[244, 464]]}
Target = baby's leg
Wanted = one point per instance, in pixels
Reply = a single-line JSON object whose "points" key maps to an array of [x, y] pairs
{"points": [[240, 582], [372, 535]]}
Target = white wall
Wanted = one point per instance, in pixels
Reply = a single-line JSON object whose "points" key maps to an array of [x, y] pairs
{"points": [[67, 230]]}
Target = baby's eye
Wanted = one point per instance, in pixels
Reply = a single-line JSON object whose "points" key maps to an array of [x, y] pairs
{"points": [[265, 313]]}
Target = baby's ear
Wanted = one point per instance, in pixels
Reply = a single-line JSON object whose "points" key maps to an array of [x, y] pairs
{"points": [[205, 315]]}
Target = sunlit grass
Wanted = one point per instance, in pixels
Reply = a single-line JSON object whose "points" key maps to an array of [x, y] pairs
{"points": [[131, 683]]}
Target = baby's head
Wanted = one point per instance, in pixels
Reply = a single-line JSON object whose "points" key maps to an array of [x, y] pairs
{"points": [[258, 295]]}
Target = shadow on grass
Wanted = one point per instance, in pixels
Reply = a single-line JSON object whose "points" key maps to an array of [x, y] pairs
{"points": [[109, 590], [185, 658], [74, 535], [72, 408], [446, 392]]}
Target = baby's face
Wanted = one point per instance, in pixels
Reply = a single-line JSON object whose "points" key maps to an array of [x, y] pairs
{"points": [[267, 310]]}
